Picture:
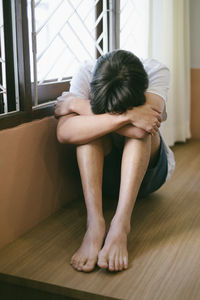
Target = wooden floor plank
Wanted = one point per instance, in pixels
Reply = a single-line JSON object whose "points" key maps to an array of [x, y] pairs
{"points": [[163, 245]]}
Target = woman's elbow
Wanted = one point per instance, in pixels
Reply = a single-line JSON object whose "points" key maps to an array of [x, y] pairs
{"points": [[63, 131], [62, 136]]}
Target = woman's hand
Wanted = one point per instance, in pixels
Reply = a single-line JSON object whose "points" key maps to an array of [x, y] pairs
{"points": [[72, 104], [146, 117], [63, 107]]}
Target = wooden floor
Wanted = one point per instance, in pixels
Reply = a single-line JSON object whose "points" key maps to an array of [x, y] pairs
{"points": [[164, 245]]}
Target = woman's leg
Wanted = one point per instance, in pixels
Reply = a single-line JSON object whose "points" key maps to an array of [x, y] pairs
{"points": [[90, 160], [136, 157]]}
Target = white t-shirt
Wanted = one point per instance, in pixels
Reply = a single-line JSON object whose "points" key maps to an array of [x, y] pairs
{"points": [[158, 75]]}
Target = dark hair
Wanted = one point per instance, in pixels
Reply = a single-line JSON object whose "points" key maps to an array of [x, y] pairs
{"points": [[118, 83]]}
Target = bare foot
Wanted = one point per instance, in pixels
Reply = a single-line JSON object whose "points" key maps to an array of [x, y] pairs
{"points": [[114, 254], [85, 258]]}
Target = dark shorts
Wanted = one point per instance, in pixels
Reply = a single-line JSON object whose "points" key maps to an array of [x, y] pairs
{"points": [[153, 179]]}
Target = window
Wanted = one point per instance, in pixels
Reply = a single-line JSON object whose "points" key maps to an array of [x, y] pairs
{"points": [[62, 34], [15, 79], [9, 100], [43, 41], [2, 64]]}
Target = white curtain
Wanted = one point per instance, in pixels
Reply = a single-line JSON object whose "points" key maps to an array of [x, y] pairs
{"points": [[169, 43]]}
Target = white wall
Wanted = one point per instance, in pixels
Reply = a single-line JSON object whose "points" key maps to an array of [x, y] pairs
{"points": [[195, 33]]}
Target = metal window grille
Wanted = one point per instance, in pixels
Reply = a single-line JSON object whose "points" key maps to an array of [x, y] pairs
{"points": [[3, 94], [61, 34], [9, 99], [63, 38]]}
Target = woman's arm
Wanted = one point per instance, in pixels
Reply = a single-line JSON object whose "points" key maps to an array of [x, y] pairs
{"points": [[81, 129], [78, 125], [155, 100], [152, 100], [82, 107], [72, 104]]}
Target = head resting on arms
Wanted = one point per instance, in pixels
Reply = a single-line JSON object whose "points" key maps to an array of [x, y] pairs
{"points": [[118, 83]]}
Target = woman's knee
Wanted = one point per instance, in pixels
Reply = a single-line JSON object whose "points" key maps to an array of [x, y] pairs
{"points": [[145, 139], [104, 143]]}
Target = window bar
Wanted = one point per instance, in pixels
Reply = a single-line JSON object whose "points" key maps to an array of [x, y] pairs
{"points": [[49, 18], [102, 28], [3, 102], [38, 3], [54, 37], [34, 47], [99, 27], [105, 25], [78, 38], [114, 18], [9, 56], [83, 23], [117, 24], [23, 56], [15, 54]]}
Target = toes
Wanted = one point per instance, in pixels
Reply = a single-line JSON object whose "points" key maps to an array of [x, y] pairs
{"points": [[125, 260], [111, 264], [81, 264], [102, 262], [116, 263], [76, 262], [73, 262], [89, 265], [121, 264]]}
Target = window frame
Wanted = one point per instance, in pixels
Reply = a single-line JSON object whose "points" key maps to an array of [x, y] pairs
{"points": [[26, 111], [8, 41]]}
